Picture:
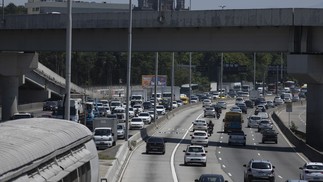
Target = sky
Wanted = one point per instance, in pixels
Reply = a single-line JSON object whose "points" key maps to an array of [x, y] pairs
{"points": [[226, 4]]}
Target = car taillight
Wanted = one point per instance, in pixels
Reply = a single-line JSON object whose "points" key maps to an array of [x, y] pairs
{"points": [[192, 137], [206, 137], [203, 154]]}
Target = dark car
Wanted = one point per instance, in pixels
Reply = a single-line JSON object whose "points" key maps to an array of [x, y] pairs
{"points": [[249, 103], [243, 107], [211, 178], [155, 145], [147, 105], [50, 106], [269, 135]]}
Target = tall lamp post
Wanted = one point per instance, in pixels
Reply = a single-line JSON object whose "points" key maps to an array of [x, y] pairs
{"points": [[2, 21], [68, 60], [128, 69]]}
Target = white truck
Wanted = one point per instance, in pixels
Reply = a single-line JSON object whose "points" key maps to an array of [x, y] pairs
{"points": [[105, 132]]}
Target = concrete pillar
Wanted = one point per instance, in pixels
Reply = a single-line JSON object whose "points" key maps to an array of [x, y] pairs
{"points": [[308, 69], [12, 66], [9, 96]]}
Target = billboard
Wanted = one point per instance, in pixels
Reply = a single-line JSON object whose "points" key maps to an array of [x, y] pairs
{"points": [[149, 80]]}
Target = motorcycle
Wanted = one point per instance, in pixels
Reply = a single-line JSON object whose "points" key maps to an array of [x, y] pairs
{"points": [[210, 130], [218, 115]]}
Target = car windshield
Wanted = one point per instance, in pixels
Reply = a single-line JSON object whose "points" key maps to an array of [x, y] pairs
{"points": [[199, 134], [119, 127], [144, 114], [102, 132], [261, 165], [315, 167]]}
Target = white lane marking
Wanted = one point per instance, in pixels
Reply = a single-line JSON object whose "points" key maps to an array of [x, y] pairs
{"points": [[279, 176], [291, 146], [172, 166], [254, 144], [219, 152], [220, 158], [230, 174], [258, 154], [223, 165], [253, 139]]}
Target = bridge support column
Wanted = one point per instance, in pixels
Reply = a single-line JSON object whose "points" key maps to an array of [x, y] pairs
{"points": [[13, 66], [308, 69]]}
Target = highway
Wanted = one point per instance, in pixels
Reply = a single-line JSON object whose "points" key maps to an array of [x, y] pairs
{"points": [[223, 159]]}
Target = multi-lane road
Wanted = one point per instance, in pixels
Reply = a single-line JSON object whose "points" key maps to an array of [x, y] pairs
{"points": [[222, 158]]}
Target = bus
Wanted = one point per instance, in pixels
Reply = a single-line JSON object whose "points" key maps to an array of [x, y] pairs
{"points": [[185, 89], [47, 149]]}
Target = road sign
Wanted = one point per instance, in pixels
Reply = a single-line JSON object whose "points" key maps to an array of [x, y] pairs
{"points": [[289, 107]]}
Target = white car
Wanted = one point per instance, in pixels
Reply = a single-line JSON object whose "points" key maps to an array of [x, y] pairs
{"points": [[236, 109], [145, 116], [239, 100], [160, 110], [195, 154], [131, 112], [137, 108], [136, 123], [121, 130], [199, 124], [174, 104], [207, 103], [200, 138], [312, 171]]}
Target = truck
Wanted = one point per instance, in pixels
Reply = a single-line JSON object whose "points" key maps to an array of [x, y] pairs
{"points": [[76, 110], [105, 132], [232, 122], [138, 96], [213, 86], [254, 95]]}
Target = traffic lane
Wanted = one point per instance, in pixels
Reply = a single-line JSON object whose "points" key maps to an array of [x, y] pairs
{"points": [[174, 130], [154, 167], [298, 116], [282, 155], [191, 172]]}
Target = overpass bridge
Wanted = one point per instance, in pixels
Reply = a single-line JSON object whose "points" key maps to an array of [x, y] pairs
{"points": [[298, 32]]}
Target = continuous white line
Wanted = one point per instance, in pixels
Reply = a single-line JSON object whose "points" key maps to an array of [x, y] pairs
{"points": [[172, 166], [299, 116]]}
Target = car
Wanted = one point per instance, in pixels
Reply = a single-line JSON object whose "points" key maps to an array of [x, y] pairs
{"points": [[249, 103], [253, 121], [136, 123], [160, 110], [239, 100], [121, 130], [199, 124], [152, 115], [236, 109], [195, 154], [155, 145], [207, 103], [179, 103], [258, 169], [147, 105], [137, 108], [209, 111], [211, 178], [269, 135], [296, 180], [131, 112], [237, 138], [200, 138], [270, 104], [263, 115], [145, 117], [278, 101], [194, 99], [265, 124], [222, 104], [49, 106], [312, 171], [295, 98], [243, 107], [112, 116], [22, 115], [174, 105]]}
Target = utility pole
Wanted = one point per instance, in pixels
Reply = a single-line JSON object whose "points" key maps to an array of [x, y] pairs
{"points": [[68, 60]]}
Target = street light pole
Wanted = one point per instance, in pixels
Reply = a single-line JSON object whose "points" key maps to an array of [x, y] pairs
{"points": [[221, 72], [254, 70], [68, 60], [2, 11], [128, 69], [172, 81]]}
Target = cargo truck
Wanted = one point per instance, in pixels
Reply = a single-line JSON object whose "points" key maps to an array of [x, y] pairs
{"points": [[105, 132], [232, 122]]}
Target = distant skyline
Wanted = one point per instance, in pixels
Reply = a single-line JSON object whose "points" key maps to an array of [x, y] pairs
{"points": [[226, 4]]}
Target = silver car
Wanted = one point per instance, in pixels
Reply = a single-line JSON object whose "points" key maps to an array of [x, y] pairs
{"points": [[265, 124], [200, 138], [253, 121], [237, 138], [259, 170], [199, 124], [209, 111]]}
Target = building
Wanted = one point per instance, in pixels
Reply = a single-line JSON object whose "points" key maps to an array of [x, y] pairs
{"points": [[59, 7], [164, 5]]}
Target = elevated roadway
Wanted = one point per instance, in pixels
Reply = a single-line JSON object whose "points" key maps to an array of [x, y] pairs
{"points": [[295, 31]]}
